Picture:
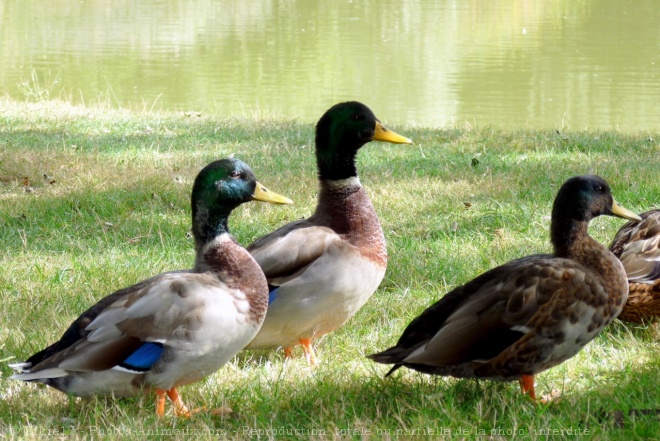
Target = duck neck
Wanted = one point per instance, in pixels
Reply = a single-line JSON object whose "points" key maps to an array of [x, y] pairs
{"points": [[233, 265], [345, 207], [569, 236], [340, 202], [335, 156], [210, 254], [571, 240], [207, 225], [337, 169], [223, 255]]}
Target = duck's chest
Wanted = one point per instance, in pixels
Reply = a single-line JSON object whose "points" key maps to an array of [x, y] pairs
{"points": [[349, 212], [606, 288], [594, 306], [207, 339]]}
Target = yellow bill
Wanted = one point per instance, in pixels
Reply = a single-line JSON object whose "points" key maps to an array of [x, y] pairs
{"points": [[618, 210], [384, 134], [263, 194]]}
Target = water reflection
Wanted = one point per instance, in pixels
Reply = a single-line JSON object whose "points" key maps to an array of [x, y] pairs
{"points": [[572, 63]]}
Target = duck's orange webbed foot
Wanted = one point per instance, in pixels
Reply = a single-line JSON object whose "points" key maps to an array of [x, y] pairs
{"points": [[180, 408], [527, 386], [160, 403], [310, 356]]}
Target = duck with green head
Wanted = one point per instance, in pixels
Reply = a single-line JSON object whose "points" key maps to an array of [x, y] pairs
{"points": [[322, 269], [530, 314], [177, 327]]}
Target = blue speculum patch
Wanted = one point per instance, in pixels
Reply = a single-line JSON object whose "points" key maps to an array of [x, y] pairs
{"points": [[272, 295], [144, 357]]}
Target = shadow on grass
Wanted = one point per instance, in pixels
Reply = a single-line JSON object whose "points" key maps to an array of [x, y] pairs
{"points": [[334, 401]]}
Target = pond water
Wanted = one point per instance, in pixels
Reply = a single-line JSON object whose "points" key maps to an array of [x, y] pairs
{"points": [[575, 64]]}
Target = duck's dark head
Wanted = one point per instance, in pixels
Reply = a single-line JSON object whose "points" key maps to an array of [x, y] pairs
{"points": [[219, 188], [579, 200], [340, 133], [586, 197]]}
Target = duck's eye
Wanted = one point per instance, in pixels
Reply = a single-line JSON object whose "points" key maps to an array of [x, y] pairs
{"points": [[235, 174], [599, 188], [357, 117]]}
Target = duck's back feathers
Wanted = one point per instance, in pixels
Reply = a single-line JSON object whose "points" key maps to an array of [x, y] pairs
{"points": [[287, 251], [76, 330], [478, 329], [174, 310], [637, 245]]}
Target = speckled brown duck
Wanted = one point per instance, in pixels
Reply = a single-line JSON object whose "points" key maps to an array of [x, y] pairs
{"points": [[637, 245], [174, 328], [322, 270], [529, 314]]}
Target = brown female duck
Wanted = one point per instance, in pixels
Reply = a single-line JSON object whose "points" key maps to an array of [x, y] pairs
{"points": [[637, 245], [529, 314]]}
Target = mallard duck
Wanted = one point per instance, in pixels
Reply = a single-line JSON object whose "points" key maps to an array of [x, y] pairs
{"points": [[177, 327], [637, 245], [529, 314], [322, 269]]}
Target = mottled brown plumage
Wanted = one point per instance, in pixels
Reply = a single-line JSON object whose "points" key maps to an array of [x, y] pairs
{"points": [[637, 245], [529, 314]]}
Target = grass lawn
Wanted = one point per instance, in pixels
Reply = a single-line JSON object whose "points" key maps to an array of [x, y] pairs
{"points": [[94, 199]]}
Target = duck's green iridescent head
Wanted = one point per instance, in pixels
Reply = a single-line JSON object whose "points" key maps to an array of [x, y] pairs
{"points": [[340, 133], [219, 188]]}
